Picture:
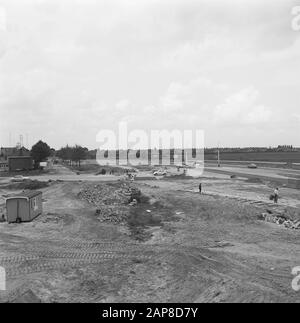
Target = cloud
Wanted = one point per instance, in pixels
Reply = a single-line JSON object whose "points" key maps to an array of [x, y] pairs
{"points": [[191, 96], [241, 108], [203, 104], [296, 116], [69, 68], [123, 105]]}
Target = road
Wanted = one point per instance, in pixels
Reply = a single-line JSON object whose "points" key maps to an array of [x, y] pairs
{"points": [[285, 177], [62, 173], [277, 174]]}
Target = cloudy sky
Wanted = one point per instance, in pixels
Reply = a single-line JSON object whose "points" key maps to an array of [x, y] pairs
{"points": [[69, 68]]}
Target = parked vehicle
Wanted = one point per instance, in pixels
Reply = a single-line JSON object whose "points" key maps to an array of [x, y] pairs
{"points": [[19, 178], [252, 166], [160, 173]]}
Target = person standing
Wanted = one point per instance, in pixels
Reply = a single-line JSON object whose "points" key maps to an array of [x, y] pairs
{"points": [[200, 188], [276, 195]]}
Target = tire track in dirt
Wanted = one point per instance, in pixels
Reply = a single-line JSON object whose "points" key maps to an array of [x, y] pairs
{"points": [[55, 254], [87, 245], [17, 267]]}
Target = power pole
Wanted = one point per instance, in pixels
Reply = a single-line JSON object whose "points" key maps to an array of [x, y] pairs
{"points": [[219, 164]]}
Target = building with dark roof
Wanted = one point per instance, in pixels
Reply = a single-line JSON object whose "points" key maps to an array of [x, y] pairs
{"points": [[6, 152]]}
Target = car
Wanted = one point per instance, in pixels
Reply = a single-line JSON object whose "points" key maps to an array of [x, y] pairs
{"points": [[252, 166], [160, 173], [19, 178]]}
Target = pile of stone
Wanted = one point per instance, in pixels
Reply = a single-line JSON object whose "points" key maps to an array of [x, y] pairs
{"points": [[280, 220], [113, 215], [112, 202]]}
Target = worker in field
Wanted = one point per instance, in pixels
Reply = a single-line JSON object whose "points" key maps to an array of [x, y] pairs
{"points": [[276, 195], [200, 188]]}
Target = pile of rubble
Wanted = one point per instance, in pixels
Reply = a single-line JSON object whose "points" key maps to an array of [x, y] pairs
{"points": [[112, 202], [280, 220]]}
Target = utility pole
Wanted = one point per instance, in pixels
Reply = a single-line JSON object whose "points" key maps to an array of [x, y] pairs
{"points": [[219, 164]]}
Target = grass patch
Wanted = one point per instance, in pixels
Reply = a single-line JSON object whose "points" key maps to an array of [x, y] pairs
{"points": [[27, 185]]}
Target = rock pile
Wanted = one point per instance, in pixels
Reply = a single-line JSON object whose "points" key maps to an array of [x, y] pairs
{"points": [[280, 220], [112, 201]]}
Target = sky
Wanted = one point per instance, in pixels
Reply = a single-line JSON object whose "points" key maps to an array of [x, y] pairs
{"points": [[71, 68]]}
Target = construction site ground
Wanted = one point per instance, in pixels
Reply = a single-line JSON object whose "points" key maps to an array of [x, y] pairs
{"points": [[175, 246]]}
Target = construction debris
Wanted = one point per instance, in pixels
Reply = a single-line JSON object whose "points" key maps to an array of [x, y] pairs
{"points": [[280, 220], [112, 202]]}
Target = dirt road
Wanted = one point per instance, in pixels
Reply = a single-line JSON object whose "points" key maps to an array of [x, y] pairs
{"points": [[62, 173]]}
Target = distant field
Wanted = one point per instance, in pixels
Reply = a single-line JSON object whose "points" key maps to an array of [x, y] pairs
{"points": [[288, 157], [268, 157]]}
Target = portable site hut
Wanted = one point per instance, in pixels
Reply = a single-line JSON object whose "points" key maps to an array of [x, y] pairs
{"points": [[24, 207]]}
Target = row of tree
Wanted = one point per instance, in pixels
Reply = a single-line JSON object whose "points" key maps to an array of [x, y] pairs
{"points": [[73, 154]]}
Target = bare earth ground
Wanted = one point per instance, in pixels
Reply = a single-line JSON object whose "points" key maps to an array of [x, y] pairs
{"points": [[208, 248]]}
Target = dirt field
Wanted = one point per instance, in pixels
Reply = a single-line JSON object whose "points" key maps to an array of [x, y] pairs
{"points": [[173, 246]]}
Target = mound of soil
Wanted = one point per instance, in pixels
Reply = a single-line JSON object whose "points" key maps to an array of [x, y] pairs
{"points": [[111, 200]]}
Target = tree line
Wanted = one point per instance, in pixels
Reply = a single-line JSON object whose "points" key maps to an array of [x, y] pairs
{"points": [[73, 155]]}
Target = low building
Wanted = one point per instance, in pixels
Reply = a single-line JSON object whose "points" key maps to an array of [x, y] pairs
{"points": [[6, 152], [20, 163], [24, 207], [3, 166]]}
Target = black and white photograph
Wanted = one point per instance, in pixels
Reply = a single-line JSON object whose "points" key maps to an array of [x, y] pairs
{"points": [[149, 154]]}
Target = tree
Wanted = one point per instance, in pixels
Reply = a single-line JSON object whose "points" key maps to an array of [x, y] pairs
{"points": [[78, 153], [39, 152], [72, 154], [65, 153], [53, 152]]}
